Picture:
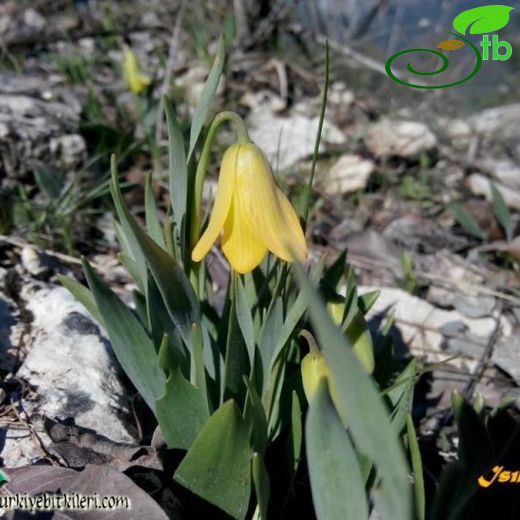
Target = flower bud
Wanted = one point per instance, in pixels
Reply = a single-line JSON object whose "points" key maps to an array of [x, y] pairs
{"points": [[314, 368]]}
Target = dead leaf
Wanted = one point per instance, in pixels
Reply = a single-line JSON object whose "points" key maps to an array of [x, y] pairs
{"points": [[450, 45], [81, 446]]}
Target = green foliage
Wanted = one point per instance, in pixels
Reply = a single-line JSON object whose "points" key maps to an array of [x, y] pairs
{"points": [[502, 213], [467, 222], [225, 385]]}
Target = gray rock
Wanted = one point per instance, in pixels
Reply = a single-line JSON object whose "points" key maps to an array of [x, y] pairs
{"points": [[38, 124], [481, 185], [71, 364], [10, 333], [406, 139]]}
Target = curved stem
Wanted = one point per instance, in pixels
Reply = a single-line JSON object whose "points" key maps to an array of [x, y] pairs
{"points": [[202, 166]]}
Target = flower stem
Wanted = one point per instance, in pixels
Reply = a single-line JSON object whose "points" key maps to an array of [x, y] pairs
{"points": [[202, 166]]}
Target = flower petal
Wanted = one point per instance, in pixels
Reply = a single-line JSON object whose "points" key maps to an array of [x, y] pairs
{"points": [[221, 207], [297, 244], [241, 247], [267, 210]]}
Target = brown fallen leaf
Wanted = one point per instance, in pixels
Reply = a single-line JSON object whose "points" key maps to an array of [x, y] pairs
{"points": [[80, 447], [450, 45]]}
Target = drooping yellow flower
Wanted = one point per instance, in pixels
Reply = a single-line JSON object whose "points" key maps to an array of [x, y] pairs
{"points": [[136, 80], [252, 212]]}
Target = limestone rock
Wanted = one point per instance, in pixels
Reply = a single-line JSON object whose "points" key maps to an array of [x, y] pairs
{"points": [[406, 139], [350, 173]]}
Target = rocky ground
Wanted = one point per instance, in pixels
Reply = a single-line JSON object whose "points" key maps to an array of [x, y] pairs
{"points": [[385, 184]]}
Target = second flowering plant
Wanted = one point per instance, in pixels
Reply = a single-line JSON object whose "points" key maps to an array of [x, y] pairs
{"points": [[258, 428]]}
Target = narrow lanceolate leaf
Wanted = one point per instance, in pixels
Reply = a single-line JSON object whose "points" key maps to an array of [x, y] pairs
{"points": [[178, 178], [502, 213], [338, 488], [83, 295], [132, 346], [415, 455], [172, 282], [466, 220], [181, 411], [261, 481], [245, 319], [269, 335], [359, 401], [402, 395], [217, 467], [206, 98], [153, 225]]}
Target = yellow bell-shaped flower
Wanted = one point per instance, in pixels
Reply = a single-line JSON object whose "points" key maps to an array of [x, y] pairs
{"points": [[252, 212], [136, 80]]}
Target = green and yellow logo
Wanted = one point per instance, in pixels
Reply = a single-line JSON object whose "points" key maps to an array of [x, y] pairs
{"points": [[480, 20]]}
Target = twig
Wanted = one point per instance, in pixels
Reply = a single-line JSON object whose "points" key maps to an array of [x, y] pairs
{"points": [[172, 51], [484, 358], [18, 242]]}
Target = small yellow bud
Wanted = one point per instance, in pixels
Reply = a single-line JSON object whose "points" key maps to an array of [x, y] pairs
{"points": [[357, 332], [314, 368], [136, 80]]}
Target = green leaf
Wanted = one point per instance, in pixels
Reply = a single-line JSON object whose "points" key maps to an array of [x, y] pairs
{"points": [[181, 411], [475, 446], [132, 346], [153, 226], [175, 288], [502, 213], [130, 249], [217, 466], [269, 335], [261, 482], [198, 369], [296, 429], [359, 335], [237, 359], [484, 19], [254, 415], [415, 454], [294, 315], [467, 221], [83, 295], [245, 319], [178, 177], [48, 183], [338, 489], [306, 193], [402, 395], [206, 98], [367, 300], [359, 401]]}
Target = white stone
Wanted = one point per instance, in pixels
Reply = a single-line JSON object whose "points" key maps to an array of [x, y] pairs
{"points": [[350, 173], [72, 365], [286, 140], [407, 139], [481, 185]]}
